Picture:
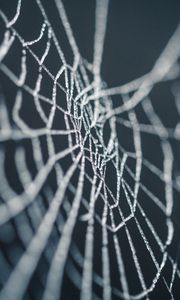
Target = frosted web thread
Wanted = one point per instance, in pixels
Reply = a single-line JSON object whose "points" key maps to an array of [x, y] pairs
{"points": [[63, 183]]}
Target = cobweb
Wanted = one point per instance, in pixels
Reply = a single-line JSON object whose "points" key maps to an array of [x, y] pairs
{"points": [[89, 174]]}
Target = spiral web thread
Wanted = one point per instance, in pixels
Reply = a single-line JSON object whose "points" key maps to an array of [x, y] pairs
{"points": [[39, 215]]}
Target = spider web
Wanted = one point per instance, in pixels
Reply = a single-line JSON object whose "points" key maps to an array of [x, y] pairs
{"points": [[89, 191]]}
